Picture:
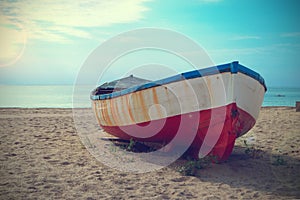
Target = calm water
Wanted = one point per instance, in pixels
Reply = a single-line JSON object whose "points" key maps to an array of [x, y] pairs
{"points": [[62, 96], [281, 97]]}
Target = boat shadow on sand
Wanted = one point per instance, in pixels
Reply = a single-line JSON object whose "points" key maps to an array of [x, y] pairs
{"points": [[250, 168], [257, 170]]}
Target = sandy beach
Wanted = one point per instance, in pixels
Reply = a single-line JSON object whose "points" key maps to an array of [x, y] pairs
{"points": [[42, 157]]}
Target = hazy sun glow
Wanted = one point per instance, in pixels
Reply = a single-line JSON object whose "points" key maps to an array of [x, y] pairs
{"points": [[13, 41]]}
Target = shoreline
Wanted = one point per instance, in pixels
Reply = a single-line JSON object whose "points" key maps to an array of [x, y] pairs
{"points": [[42, 156]]}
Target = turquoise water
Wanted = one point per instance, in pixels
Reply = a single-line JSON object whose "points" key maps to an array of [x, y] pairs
{"points": [[281, 96], [36, 96], [62, 96]]}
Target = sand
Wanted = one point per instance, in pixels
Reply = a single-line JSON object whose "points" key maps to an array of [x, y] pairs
{"points": [[42, 157]]}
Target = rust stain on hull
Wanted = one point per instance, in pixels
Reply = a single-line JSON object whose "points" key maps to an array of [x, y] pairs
{"points": [[156, 101], [106, 114], [129, 109], [155, 98], [142, 105]]}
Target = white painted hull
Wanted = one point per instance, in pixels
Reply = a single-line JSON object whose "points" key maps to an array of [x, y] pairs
{"points": [[197, 94]]}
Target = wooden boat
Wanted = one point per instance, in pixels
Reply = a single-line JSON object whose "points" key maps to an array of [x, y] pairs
{"points": [[206, 109]]}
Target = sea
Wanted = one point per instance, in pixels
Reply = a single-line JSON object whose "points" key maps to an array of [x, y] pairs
{"points": [[64, 96]]}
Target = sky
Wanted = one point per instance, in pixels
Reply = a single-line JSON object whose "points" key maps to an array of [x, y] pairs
{"points": [[47, 42]]}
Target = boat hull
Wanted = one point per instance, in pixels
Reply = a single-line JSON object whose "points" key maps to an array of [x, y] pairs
{"points": [[205, 112], [235, 123]]}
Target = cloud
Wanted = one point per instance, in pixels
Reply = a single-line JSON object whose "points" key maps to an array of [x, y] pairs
{"points": [[280, 48], [245, 37], [291, 34], [238, 51], [58, 20]]}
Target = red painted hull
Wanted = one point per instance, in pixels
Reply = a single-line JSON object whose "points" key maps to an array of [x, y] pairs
{"points": [[224, 130]]}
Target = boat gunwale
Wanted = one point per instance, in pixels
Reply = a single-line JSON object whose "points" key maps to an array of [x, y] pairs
{"points": [[233, 67]]}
